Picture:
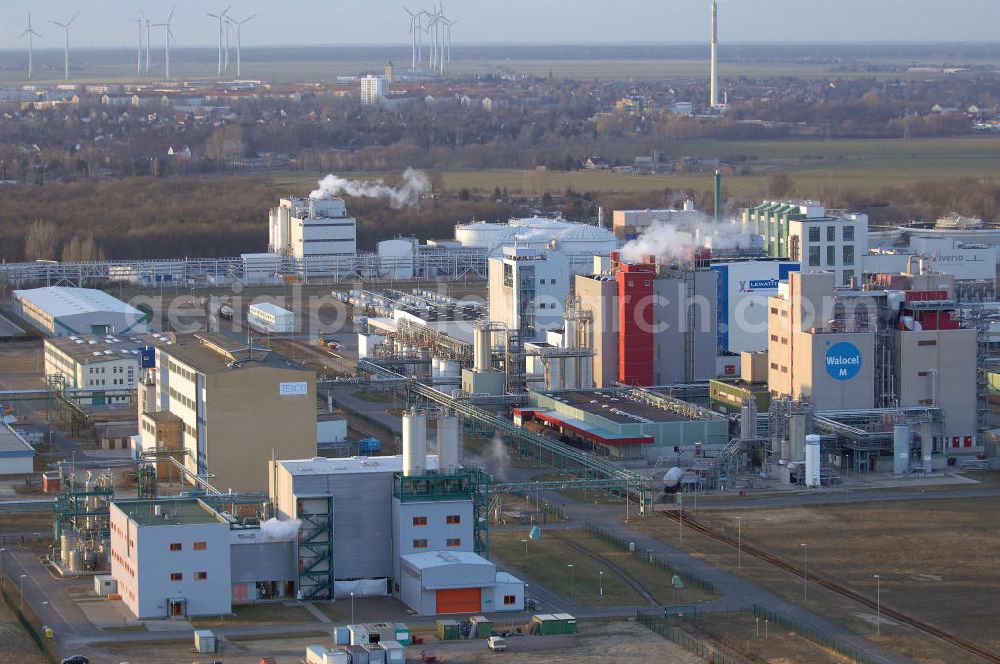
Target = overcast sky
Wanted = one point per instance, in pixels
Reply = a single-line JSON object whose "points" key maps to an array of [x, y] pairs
{"points": [[328, 22]]}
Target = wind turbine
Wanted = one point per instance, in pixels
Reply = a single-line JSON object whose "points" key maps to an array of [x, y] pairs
{"points": [[225, 66], [30, 32], [415, 28], [138, 54], [239, 29], [221, 17], [447, 27], [167, 36], [65, 26], [148, 41]]}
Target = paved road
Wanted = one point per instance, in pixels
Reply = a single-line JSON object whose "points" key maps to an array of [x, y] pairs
{"points": [[852, 497]]}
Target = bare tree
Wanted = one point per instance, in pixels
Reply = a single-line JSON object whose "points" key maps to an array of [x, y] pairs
{"points": [[40, 241]]}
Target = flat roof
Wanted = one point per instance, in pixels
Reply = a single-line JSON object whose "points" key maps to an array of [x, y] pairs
{"points": [[89, 349], [12, 445], [614, 407], [270, 308], [350, 465], [217, 353], [67, 301], [184, 512]]}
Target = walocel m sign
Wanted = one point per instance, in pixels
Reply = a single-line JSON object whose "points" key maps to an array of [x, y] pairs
{"points": [[843, 360]]}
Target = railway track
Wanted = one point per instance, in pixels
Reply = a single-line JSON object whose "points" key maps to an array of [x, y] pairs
{"points": [[627, 578], [748, 549]]}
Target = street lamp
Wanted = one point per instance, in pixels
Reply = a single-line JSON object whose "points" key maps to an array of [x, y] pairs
{"points": [[42, 615], [739, 543], [878, 604], [805, 570], [20, 590], [600, 583], [352, 608], [572, 580]]}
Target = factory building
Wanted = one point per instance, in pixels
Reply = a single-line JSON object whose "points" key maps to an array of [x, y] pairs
{"points": [[233, 407], [623, 424], [807, 233], [743, 290], [182, 558], [643, 313], [99, 364], [315, 232], [62, 311], [972, 265], [528, 288], [17, 456], [630, 224], [821, 343], [406, 526], [579, 243]]}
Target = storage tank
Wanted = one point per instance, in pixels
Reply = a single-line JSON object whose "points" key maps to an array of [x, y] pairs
{"points": [[75, 560], [796, 436], [67, 543], [484, 235], [672, 478], [748, 419], [447, 443], [414, 443], [900, 449], [812, 460], [397, 258], [926, 446], [481, 349], [369, 446]]}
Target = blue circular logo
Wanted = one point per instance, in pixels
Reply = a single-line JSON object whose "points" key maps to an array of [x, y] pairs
{"points": [[843, 360]]}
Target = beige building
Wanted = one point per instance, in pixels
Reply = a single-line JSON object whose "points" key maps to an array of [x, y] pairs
{"points": [[821, 343], [597, 294], [107, 367], [236, 408]]}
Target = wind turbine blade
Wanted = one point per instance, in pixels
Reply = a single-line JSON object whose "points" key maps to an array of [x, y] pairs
{"points": [[248, 18], [171, 17], [70, 22]]}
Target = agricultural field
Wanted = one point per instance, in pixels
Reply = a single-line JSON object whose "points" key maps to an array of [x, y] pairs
{"points": [[929, 554]]}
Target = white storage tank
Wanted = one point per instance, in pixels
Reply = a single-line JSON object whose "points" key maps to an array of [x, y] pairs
{"points": [[414, 444], [397, 258], [900, 449], [447, 443], [812, 460]]}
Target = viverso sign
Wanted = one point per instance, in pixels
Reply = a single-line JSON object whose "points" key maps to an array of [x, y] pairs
{"points": [[843, 360]]}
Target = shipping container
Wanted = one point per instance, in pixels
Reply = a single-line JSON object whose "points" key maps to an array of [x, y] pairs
{"points": [[567, 623], [481, 627], [395, 653], [448, 630], [204, 641], [545, 624]]}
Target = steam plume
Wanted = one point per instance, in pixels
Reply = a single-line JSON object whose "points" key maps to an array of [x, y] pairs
{"points": [[671, 240], [415, 184], [274, 530]]}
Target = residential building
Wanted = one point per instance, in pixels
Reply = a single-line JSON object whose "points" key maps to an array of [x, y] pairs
{"points": [[373, 88], [807, 233], [238, 408]]}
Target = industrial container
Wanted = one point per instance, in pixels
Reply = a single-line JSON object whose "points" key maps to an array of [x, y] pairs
{"points": [[567, 623], [448, 630], [341, 636], [369, 446], [205, 641], [481, 627], [545, 624], [359, 635], [403, 634], [395, 653], [359, 655], [271, 318], [105, 584], [376, 654], [337, 657]]}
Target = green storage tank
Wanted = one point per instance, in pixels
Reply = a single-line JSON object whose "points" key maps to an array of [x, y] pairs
{"points": [[481, 627], [448, 630]]}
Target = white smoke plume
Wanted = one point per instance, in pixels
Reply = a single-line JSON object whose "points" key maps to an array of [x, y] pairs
{"points": [[498, 454], [274, 530], [415, 185], [667, 240]]}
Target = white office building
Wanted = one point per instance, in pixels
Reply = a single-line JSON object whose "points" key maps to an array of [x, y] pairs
{"points": [[316, 233], [268, 317], [100, 365]]}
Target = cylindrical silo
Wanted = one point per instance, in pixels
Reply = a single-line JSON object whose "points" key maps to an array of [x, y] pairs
{"points": [[748, 419], [447, 443], [481, 349], [796, 436], [926, 446], [414, 443], [812, 460], [900, 449]]}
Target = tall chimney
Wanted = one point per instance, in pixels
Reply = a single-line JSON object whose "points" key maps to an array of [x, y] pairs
{"points": [[714, 102]]}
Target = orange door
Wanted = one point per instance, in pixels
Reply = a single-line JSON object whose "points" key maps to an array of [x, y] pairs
{"points": [[459, 600]]}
